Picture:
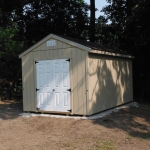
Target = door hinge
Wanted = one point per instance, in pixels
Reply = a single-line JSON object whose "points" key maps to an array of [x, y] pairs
{"points": [[69, 90], [37, 89], [69, 110], [68, 60], [36, 62]]}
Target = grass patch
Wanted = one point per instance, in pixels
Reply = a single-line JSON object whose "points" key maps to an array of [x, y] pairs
{"points": [[145, 135], [142, 135], [106, 146]]}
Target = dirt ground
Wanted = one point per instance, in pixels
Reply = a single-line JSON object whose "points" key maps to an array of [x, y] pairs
{"points": [[128, 129]]}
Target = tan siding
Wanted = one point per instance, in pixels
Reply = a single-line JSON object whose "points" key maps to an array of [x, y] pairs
{"points": [[28, 82], [51, 54], [77, 74], [41, 55], [84, 81], [87, 83], [24, 82], [110, 82], [47, 54], [93, 79], [54, 47], [43, 46], [49, 37], [79, 82], [59, 45], [65, 53], [32, 105], [26, 85], [74, 82], [55, 51]]}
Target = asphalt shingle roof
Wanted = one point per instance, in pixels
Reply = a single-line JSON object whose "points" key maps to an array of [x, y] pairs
{"points": [[93, 46]]}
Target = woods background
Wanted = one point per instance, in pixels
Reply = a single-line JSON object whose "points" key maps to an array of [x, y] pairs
{"points": [[125, 26]]}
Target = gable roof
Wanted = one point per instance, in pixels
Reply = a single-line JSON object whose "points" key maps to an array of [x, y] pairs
{"points": [[93, 46], [88, 46]]}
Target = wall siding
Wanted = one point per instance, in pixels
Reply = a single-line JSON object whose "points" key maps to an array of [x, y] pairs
{"points": [[24, 64], [77, 74], [110, 82]]}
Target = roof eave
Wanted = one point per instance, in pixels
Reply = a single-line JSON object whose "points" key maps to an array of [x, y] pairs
{"points": [[111, 54]]}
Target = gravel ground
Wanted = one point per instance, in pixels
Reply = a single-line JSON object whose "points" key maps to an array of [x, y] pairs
{"points": [[127, 129]]}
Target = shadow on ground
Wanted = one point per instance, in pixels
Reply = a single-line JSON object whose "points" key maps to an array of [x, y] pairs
{"points": [[134, 120], [10, 109]]}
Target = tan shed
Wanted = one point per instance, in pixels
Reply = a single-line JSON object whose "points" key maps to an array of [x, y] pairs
{"points": [[66, 75]]}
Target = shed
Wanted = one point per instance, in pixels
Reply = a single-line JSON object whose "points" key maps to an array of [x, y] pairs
{"points": [[71, 76]]}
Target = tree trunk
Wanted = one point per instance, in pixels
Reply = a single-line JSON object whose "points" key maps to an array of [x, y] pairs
{"points": [[92, 21], [129, 5]]}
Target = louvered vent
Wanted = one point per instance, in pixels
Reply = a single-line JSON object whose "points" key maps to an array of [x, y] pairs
{"points": [[51, 43]]}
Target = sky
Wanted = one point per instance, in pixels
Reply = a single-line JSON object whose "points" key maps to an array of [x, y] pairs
{"points": [[99, 4]]}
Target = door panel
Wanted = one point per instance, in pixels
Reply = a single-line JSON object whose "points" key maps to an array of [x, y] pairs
{"points": [[41, 95], [49, 98], [49, 79], [53, 81]]}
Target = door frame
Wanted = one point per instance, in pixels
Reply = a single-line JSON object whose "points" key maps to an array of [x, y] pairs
{"points": [[35, 86]]}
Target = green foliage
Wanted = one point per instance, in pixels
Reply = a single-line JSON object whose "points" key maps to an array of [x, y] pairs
{"points": [[10, 65], [63, 17], [139, 24], [36, 19], [106, 146], [114, 33], [129, 30], [8, 44], [106, 33], [130, 23], [23, 23]]}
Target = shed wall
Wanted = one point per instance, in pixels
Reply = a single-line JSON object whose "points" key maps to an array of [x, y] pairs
{"points": [[110, 82], [77, 74]]}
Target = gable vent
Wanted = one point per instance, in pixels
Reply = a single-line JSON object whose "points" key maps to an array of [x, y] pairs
{"points": [[51, 43]]}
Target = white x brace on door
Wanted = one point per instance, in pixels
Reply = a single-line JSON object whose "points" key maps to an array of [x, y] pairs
{"points": [[53, 85]]}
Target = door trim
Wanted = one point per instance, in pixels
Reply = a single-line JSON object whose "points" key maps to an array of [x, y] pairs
{"points": [[70, 79]]}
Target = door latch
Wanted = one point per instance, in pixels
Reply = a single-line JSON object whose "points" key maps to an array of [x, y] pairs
{"points": [[69, 110], [37, 89], [69, 90], [68, 60]]}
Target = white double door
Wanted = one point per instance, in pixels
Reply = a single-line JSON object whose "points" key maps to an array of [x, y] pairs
{"points": [[53, 85]]}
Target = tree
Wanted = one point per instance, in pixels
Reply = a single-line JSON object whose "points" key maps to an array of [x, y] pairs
{"points": [[130, 25], [92, 20], [9, 50], [138, 29], [116, 13], [63, 17]]}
